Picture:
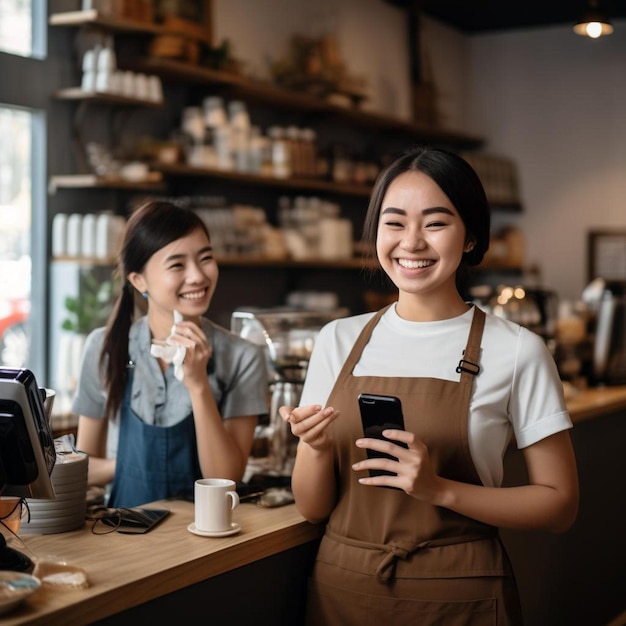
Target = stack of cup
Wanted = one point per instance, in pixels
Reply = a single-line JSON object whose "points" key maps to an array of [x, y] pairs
{"points": [[67, 510]]}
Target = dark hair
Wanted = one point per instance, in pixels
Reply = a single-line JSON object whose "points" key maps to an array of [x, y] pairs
{"points": [[457, 180], [149, 228]]}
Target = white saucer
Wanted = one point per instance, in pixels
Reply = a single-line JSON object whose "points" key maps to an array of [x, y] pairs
{"points": [[235, 528]]}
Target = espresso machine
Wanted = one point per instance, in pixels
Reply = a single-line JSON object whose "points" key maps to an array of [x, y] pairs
{"points": [[287, 336]]}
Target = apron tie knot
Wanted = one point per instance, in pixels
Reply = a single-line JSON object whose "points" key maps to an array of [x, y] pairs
{"points": [[394, 551]]}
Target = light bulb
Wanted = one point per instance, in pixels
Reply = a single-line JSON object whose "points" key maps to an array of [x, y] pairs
{"points": [[594, 29]]}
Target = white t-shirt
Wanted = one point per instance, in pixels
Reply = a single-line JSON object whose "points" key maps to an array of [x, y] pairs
{"points": [[517, 392]]}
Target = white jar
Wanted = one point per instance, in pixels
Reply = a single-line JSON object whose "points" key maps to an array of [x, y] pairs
{"points": [[281, 159], [74, 233], [59, 235], [109, 230], [90, 59], [214, 112], [193, 124], [88, 238], [239, 122]]}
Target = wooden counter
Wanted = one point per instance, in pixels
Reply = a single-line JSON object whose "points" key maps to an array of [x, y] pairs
{"points": [[577, 577], [169, 572], [125, 571], [589, 403]]}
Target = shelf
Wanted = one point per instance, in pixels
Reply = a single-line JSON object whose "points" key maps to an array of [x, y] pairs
{"points": [[78, 94], [355, 263], [257, 261], [248, 261], [91, 181], [506, 207], [491, 265], [304, 184], [86, 261], [177, 71], [91, 17]]}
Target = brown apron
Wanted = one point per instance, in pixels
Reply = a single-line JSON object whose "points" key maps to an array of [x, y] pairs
{"points": [[387, 558]]}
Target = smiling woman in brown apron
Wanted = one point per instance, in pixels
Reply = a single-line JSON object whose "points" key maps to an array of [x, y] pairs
{"points": [[420, 544]]}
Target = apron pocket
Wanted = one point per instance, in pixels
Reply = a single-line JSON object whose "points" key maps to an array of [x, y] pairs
{"points": [[333, 605]]}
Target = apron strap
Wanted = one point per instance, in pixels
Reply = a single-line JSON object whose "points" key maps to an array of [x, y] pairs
{"points": [[471, 355], [359, 344], [468, 366]]}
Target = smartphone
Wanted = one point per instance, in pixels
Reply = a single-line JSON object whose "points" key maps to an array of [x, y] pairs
{"points": [[137, 521], [379, 412]]}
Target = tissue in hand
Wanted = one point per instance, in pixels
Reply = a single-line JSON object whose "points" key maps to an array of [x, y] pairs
{"points": [[170, 351]]}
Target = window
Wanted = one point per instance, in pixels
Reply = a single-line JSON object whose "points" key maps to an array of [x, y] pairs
{"points": [[22, 185], [16, 27], [15, 227]]}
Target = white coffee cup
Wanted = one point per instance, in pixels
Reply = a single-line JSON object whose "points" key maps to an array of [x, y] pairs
{"points": [[214, 502]]}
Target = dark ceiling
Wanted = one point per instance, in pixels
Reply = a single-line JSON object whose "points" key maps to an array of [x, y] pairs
{"points": [[481, 16]]}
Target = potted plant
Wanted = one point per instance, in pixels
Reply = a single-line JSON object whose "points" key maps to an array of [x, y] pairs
{"points": [[84, 312], [91, 308]]}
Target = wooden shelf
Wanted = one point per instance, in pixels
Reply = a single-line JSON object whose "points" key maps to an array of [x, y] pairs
{"points": [[247, 261], [238, 86], [87, 261], [489, 264], [304, 184], [506, 207], [91, 17], [356, 263], [257, 261], [78, 94], [91, 181], [268, 93]]}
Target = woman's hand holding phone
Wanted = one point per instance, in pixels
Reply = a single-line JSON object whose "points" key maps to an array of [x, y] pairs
{"points": [[380, 413], [396, 458]]}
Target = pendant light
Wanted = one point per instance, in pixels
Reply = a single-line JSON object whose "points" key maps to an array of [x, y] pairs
{"points": [[594, 22]]}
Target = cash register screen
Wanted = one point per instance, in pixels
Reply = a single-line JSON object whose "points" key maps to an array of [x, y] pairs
{"points": [[27, 454]]}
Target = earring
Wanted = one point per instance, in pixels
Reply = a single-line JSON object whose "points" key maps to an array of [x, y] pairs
{"points": [[144, 295]]}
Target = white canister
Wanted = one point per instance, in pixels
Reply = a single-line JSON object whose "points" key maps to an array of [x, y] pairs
{"points": [[106, 67], [90, 59], [345, 246], [127, 83], [142, 88], [59, 235], [88, 239], [108, 235], [74, 234], [155, 88], [102, 235], [335, 240]]}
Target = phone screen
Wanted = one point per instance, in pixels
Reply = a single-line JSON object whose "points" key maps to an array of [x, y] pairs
{"points": [[379, 412]]}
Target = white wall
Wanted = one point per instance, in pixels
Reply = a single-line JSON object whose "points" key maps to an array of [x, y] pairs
{"points": [[556, 103], [372, 36], [553, 101]]}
